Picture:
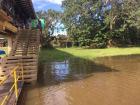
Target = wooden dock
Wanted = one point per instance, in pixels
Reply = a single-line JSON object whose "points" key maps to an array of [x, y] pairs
{"points": [[23, 47], [25, 55], [11, 86], [24, 52], [4, 91]]}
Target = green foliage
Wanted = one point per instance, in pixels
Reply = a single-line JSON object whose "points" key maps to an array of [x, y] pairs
{"points": [[52, 17], [91, 23], [100, 40]]}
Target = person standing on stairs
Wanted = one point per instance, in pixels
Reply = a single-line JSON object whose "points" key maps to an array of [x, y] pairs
{"points": [[39, 26]]}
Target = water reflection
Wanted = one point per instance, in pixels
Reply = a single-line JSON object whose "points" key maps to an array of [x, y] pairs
{"points": [[60, 70], [54, 73], [106, 81]]}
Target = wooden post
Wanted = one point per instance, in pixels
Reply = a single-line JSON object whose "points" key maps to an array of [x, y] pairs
{"points": [[10, 44], [16, 84]]}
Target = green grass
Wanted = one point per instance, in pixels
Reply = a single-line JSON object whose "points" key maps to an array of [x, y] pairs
{"points": [[59, 54]]}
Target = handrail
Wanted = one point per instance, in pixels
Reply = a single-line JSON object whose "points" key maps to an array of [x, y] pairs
{"points": [[6, 77], [14, 87]]}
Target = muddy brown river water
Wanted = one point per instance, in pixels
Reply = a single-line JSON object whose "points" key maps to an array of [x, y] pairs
{"points": [[104, 81]]}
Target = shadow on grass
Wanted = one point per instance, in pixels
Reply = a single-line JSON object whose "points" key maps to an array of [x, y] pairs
{"points": [[58, 67]]}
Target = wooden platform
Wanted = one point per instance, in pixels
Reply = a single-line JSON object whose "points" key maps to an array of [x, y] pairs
{"points": [[4, 91], [6, 26], [9, 26], [5, 22], [25, 53], [4, 16], [29, 64]]}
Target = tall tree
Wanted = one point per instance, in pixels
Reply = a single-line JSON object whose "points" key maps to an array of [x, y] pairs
{"points": [[102, 22], [79, 19], [51, 17]]}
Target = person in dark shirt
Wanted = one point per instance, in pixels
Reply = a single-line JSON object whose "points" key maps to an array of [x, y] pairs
{"points": [[39, 26]]}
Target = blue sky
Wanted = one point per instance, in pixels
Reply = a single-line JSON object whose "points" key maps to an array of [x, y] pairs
{"points": [[47, 4]]}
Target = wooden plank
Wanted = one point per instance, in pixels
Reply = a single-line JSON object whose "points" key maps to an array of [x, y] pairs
{"points": [[30, 71], [30, 76], [22, 60], [4, 17], [1, 26], [30, 68], [22, 57], [30, 80], [24, 64], [9, 26]]}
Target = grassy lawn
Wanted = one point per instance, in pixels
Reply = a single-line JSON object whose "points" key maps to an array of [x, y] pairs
{"points": [[59, 54]]}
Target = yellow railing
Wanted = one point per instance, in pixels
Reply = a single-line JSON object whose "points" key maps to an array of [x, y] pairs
{"points": [[17, 76]]}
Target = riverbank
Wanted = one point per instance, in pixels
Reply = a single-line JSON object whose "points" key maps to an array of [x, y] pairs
{"points": [[60, 54]]}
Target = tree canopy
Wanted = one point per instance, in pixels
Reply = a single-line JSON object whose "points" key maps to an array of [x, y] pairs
{"points": [[102, 23], [51, 17], [97, 23]]}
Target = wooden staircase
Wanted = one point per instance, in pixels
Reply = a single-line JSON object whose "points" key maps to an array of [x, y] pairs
{"points": [[26, 43], [24, 52]]}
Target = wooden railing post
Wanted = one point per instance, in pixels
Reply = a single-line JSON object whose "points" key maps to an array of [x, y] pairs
{"points": [[16, 84], [9, 44], [22, 70]]}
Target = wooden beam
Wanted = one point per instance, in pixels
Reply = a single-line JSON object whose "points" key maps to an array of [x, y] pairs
{"points": [[10, 27], [5, 25], [4, 17], [10, 44], [1, 26]]}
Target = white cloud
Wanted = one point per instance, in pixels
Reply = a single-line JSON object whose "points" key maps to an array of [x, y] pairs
{"points": [[60, 32], [56, 1], [59, 2]]}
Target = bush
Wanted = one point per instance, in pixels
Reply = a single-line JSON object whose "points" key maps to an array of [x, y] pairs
{"points": [[99, 41]]}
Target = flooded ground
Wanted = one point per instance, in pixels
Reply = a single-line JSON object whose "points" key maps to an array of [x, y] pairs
{"points": [[106, 81]]}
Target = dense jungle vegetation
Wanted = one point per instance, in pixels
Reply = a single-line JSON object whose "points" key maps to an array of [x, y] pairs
{"points": [[98, 23]]}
